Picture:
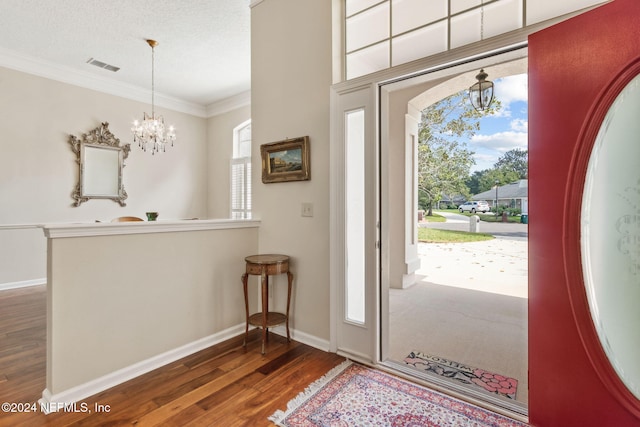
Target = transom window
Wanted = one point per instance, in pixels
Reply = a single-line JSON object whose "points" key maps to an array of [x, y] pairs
{"points": [[384, 33]]}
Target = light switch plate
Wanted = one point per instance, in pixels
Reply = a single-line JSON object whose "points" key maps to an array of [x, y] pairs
{"points": [[307, 209]]}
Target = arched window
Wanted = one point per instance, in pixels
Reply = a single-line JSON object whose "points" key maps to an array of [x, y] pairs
{"points": [[241, 172]]}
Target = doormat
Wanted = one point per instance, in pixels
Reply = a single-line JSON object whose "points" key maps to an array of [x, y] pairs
{"points": [[354, 395], [468, 375]]}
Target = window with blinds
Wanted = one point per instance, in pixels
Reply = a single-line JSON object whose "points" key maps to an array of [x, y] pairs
{"points": [[241, 172]]}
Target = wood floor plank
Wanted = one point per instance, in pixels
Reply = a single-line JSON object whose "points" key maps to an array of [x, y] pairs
{"points": [[175, 392], [227, 384], [254, 360], [184, 418]]}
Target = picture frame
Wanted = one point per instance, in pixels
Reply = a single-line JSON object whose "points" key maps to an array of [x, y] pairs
{"points": [[287, 160]]}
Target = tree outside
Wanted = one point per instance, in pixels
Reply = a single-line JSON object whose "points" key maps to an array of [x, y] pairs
{"points": [[445, 159]]}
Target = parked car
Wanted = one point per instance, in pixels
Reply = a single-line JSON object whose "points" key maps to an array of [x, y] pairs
{"points": [[473, 207]]}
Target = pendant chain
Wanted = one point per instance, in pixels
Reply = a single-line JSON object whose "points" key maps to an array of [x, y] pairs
{"points": [[153, 90], [481, 19]]}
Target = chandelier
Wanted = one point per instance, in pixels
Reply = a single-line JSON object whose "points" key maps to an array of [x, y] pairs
{"points": [[151, 131]]}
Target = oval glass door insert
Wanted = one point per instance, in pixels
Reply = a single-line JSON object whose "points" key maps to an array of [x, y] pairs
{"points": [[610, 235]]}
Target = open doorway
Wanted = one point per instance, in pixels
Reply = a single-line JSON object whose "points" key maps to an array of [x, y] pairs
{"points": [[456, 316], [463, 324]]}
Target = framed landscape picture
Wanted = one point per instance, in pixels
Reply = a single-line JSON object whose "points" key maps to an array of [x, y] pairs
{"points": [[286, 160]]}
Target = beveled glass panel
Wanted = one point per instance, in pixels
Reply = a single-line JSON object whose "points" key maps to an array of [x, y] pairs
{"points": [[420, 43], [465, 28], [368, 60], [409, 14], [610, 235], [502, 17], [458, 6], [355, 6], [540, 10], [368, 27]]}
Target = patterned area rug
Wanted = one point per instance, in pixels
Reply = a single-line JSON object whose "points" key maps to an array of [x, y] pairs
{"points": [[354, 395], [474, 377]]}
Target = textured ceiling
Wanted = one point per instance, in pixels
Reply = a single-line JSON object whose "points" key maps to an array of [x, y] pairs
{"points": [[203, 55]]}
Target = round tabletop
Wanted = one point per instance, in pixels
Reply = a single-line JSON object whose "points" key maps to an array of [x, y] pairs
{"points": [[267, 259]]}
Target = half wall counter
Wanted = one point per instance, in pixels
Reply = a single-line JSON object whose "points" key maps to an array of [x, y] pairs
{"points": [[126, 298]]}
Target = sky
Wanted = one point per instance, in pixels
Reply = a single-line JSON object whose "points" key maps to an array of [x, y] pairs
{"points": [[506, 130]]}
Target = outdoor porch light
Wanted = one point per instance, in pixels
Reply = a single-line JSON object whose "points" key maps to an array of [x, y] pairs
{"points": [[481, 93]]}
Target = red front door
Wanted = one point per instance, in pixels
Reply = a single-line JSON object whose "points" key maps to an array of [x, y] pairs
{"points": [[576, 69]]}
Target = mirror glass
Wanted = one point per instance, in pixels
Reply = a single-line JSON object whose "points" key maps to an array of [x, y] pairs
{"points": [[100, 159], [610, 235], [100, 172]]}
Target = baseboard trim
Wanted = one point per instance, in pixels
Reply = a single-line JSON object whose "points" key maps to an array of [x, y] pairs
{"points": [[22, 284], [356, 356], [67, 399], [303, 337]]}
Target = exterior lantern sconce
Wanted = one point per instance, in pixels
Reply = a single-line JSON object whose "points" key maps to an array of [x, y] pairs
{"points": [[481, 93]]}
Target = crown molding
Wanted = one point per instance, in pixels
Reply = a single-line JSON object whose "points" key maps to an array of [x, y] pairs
{"points": [[37, 67], [228, 104]]}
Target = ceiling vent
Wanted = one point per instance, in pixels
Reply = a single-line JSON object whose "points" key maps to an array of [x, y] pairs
{"points": [[102, 65]]}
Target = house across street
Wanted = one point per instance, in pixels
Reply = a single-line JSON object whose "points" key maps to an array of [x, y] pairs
{"points": [[513, 195]]}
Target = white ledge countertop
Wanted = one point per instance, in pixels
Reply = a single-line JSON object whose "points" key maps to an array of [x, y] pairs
{"points": [[85, 229]]}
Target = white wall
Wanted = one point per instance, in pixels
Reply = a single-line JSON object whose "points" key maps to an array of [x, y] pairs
{"points": [[38, 170], [291, 76]]}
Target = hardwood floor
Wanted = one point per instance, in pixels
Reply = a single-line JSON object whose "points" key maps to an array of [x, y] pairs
{"points": [[224, 385]]}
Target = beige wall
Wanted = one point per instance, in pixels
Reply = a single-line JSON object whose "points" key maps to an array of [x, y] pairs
{"points": [[220, 144], [291, 77], [119, 300], [38, 170]]}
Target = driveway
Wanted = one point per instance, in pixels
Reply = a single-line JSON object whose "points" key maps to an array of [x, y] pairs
{"points": [[501, 230]]}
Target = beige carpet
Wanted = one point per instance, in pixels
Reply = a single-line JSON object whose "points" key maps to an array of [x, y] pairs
{"points": [[471, 307]]}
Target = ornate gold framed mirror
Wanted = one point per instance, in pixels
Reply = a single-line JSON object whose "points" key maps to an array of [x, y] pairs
{"points": [[100, 159]]}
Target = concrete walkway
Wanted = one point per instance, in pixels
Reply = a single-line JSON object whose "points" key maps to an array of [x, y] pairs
{"points": [[470, 302], [497, 266]]}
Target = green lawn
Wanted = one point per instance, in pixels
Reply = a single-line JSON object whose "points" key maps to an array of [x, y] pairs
{"points": [[430, 235], [434, 218], [483, 217], [492, 218]]}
